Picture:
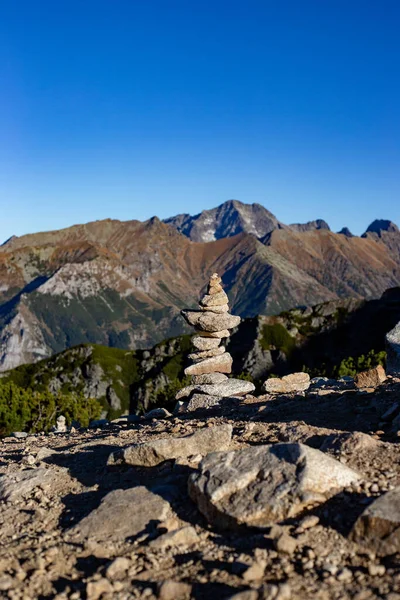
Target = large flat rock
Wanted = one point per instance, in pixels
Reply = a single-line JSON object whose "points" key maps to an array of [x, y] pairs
{"points": [[215, 364], [230, 387], [378, 527], [18, 485], [393, 351], [295, 382], [209, 321], [202, 354], [153, 452], [122, 514], [262, 485]]}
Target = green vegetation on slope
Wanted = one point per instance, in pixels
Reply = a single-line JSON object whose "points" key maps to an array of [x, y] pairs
{"points": [[276, 337], [33, 411]]}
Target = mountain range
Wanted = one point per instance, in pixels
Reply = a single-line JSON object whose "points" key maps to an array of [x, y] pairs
{"points": [[123, 284]]}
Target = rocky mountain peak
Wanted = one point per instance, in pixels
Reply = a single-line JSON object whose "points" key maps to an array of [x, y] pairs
{"points": [[380, 225], [346, 231], [227, 220]]}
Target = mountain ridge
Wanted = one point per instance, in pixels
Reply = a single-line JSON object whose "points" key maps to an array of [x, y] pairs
{"points": [[123, 283]]}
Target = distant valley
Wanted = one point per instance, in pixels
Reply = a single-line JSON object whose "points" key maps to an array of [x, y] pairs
{"points": [[122, 284]]}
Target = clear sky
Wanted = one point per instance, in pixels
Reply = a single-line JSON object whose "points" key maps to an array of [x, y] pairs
{"points": [[134, 108]]}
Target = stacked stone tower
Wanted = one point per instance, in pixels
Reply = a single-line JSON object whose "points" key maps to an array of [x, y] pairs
{"points": [[211, 362]]}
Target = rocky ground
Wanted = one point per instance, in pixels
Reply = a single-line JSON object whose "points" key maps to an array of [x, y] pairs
{"points": [[84, 515]]}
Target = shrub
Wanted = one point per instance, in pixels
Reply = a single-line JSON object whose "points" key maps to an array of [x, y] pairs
{"points": [[277, 337], [33, 411]]}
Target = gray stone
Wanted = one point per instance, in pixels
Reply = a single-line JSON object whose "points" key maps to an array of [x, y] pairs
{"points": [[153, 452], [205, 343], [198, 356], [17, 485], [349, 442], [19, 435], [112, 398], [296, 382], [215, 364], [378, 527], [198, 401], [122, 514], [230, 387], [218, 299], [262, 485], [185, 536], [209, 378], [98, 423], [61, 425], [210, 322], [393, 351], [158, 413]]}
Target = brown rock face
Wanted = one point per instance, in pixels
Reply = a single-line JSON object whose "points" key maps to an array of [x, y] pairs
{"points": [[371, 378]]}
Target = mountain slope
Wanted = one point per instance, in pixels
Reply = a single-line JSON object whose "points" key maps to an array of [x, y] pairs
{"points": [[317, 338], [123, 284]]}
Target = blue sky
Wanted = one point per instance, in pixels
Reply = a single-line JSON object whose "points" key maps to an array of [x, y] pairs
{"points": [[134, 108]]}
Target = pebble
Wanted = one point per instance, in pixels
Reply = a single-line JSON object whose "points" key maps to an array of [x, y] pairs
{"points": [[174, 590], [285, 544], [376, 570], [255, 572]]}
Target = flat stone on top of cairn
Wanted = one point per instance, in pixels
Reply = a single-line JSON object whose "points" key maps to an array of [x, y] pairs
{"points": [[211, 362]]}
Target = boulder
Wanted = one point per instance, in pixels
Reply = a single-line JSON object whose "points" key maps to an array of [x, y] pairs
{"points": [[262, 485], [157, 413], [122, 514], [378, 527], [210, 322], [371, 378], [202, 401], [225, 389], [215, 364], [17, 485], [393, 351], [296, 382], [349, 442], [153, 452]]}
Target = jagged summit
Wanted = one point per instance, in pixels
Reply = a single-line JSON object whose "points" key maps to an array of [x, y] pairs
{"points": [[380, 225], [228, 219], [310, 226], [346, 231]]}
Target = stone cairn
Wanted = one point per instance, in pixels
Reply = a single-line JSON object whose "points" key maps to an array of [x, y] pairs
{"points": [[211, 363]]}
